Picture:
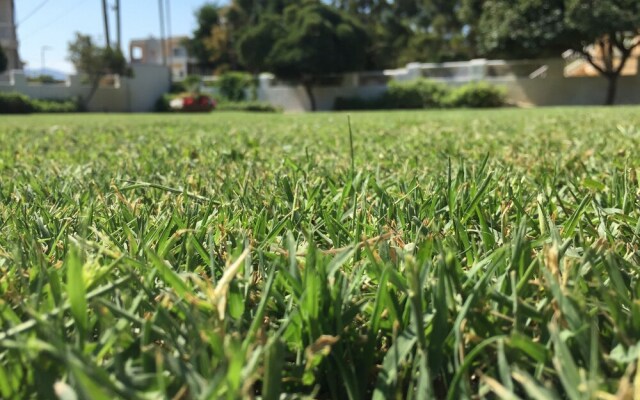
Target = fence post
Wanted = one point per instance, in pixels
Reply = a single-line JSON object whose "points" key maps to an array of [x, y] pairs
{"points": [[414, 70], [17, 79], [478, 69]]}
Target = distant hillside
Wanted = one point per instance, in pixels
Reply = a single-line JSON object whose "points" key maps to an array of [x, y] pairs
{"points": [[32, 73]]}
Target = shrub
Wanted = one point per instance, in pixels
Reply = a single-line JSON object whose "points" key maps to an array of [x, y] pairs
{"points": [[233, 85], [252, 106], [162, 104], [419, 93], [476, 95], [177, 87], [55, 106], [415, 94], [192, 83], [423, 93], [359, 103], [15, 103]]}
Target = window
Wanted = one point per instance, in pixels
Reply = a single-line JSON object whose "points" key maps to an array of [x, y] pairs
{"points": [[178, 52], [136, 53]]}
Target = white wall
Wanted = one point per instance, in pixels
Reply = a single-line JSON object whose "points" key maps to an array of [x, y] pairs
{"points": [[138, 93], [294, 98], [535, 82], [569, 91]]}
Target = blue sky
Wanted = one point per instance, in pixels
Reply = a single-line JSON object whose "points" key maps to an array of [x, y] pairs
{"points": [[55, 23]]}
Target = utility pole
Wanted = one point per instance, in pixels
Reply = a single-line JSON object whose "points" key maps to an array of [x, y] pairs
{"points": [[162, 36], [168, 10], [118, 26], [43, 49], [105, 16]]}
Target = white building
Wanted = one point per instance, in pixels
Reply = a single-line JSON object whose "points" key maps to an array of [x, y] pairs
{"points": [[8, 37], [149, 51]]}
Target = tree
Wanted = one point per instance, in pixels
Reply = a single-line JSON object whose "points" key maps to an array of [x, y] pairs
{"points": [[522, 28], [603, 32], [387, 28], [257, 42], [219, 27], [96, 62], [220, 44], [442, 30], [310, 40], [403, 31], [207, 17], [613, 26], [469, 14], [3, 60]]}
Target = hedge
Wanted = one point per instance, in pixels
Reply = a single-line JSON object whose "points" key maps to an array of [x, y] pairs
{"points": [[16, 103], [162, 105], [423, 93], [251, 106]]}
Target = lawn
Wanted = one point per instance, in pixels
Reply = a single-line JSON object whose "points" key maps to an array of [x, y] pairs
{"points": [[444, 254]]}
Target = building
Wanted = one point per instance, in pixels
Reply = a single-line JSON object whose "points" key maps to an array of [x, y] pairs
{"points": [[8, 37], [577, 66], [137, 93], [149, 51]]}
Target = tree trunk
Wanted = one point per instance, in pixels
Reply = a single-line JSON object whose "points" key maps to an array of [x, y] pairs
{"points": [[612, 86], [94, 88], [308, 87]]}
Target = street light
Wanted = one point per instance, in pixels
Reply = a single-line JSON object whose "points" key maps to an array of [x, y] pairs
{"points": [[43, 49]]}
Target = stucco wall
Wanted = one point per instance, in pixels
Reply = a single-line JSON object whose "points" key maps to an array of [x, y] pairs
{"points": [[294, 98], [147, 85], [549, 87], [569, 91], [138, 93]]}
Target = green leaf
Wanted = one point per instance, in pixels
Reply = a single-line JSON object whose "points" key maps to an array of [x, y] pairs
{"points": [[393, 364], [170, 277], [534, 350], [339, 260], [88, 387], [593, 184], [572, 222], [76, 290], [564, 365], [533, 387], [273, 364], [503, 367]]}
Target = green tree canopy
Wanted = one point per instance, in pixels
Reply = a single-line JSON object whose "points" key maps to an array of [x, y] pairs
{"points": [[3, 60], [207, 17], [523, 28], [603, 32], [400, 31], [403, 31], [257, 42], [214, 41], [308, 41]]}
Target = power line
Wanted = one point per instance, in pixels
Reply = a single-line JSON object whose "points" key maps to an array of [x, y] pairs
{"points": [[56, 19], [35, 10]]}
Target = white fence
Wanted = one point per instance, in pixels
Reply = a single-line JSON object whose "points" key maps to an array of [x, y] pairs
{"points": [[527, 82], [138, 93], [536, 82]]}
